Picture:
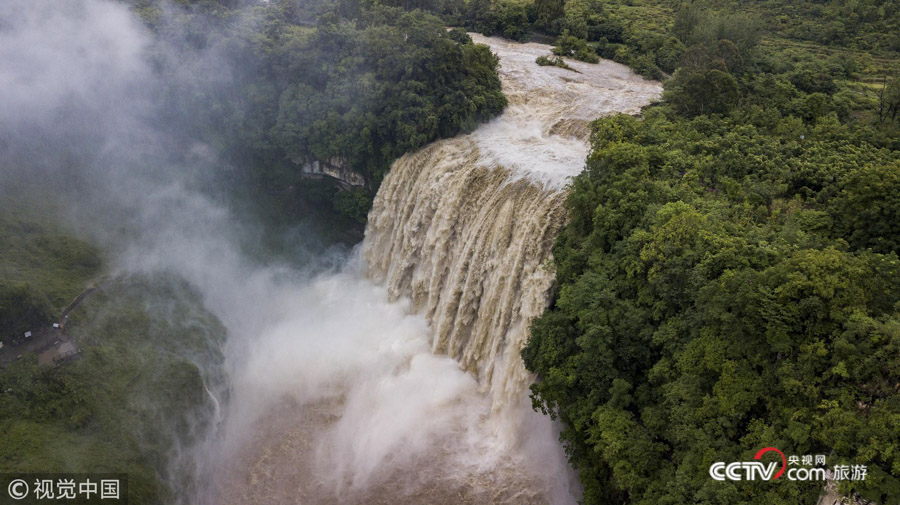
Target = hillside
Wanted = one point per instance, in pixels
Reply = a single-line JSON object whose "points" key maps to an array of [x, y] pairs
{"points": [[728, 279]]}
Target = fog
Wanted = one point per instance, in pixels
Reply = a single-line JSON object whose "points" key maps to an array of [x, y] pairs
{"points": [[316, 349]]}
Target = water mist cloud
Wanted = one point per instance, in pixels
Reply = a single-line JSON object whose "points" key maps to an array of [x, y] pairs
{"points": [[72, 76], [82, 53]]}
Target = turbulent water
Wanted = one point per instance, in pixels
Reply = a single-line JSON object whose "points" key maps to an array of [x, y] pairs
{"points": [[399, 381], [464, 227]]}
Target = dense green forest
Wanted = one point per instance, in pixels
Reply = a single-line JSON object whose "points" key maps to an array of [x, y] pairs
{"points": [[351, 84], [729, 277]]}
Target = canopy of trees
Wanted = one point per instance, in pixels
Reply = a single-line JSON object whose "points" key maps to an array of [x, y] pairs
{"points": [[725, 285], [729, 280], [351, 85]]}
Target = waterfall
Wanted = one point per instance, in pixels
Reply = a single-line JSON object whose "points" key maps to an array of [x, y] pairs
{"points": [[470, 246], [465, 226], [397, 378]]}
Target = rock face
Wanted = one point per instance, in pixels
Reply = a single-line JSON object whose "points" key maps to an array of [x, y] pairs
{"points": [[333, 168], [830, 496]]}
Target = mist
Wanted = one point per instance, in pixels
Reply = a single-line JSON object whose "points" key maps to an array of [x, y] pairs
{"points": [[320, 362]]}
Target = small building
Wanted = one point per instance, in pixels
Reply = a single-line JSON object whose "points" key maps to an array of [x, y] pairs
{"points": [[27, 334], [56, 325]]}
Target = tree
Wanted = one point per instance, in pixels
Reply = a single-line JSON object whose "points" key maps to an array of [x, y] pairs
{"points": [[22, 308], [696, 92], [549, 15], [574, 47], [709, 304], [866, 209], [889, 99]]}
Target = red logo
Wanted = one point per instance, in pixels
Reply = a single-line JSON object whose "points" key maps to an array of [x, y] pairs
{"points": [[783, 459]]}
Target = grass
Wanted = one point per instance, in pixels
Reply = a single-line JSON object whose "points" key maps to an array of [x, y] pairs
{"points": [[136, 393], [36, 251], [137, 390]]}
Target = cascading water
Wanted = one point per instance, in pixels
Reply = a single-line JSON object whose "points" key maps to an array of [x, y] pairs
{"points": [[469, 247], [398, 379], [465, 226]]}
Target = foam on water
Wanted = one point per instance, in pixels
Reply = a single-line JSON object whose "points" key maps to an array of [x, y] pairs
{"points": [[543, 134]]}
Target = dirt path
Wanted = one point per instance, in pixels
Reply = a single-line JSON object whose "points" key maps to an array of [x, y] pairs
{"points": [[51, 343]]}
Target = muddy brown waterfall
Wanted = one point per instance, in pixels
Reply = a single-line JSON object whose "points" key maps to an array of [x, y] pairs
{"points": [[465, 226]]}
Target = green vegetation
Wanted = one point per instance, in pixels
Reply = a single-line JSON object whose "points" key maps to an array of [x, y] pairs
{"points": [[132, 399], [574, 47], [553, 61], [41, 268], [352, 84], [653, 36], [712, 302], [512, 20], [729, 278], [870, 25]]}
